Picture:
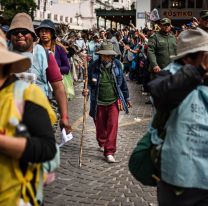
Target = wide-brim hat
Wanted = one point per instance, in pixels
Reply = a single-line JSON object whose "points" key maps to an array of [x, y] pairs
{"points": [[191, 41], [47, 24], [22, 21], [204, 14], [106, 49], [19, 63]]}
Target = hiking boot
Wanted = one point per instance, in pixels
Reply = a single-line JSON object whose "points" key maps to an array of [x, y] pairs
{"points": [[110, 159]]}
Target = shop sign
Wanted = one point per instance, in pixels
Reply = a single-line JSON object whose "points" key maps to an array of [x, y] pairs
{"points": [[140, 15], [181, 14]]}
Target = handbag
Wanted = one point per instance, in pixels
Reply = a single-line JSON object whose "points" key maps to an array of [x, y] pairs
{"points": [[140, 164]]}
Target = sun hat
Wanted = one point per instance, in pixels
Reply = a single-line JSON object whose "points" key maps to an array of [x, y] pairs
{"points": [[191, 41], [204, 14], [48, 24], [22, 21], [165, 21], [106, 49], [19, 63]]}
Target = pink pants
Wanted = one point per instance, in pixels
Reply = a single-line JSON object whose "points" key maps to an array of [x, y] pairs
{"points": [[106, 127]]}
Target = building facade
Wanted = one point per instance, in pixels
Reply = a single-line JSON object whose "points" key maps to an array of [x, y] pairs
{"points": [[78, 14], [179, 11]]}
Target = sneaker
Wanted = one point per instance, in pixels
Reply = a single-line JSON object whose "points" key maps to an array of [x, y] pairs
{"points": [[110, 159]]}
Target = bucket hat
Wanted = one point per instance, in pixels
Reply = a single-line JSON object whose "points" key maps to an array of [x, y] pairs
{"points": [[18, 63], [191, 41], [106, 49], [165, 21], [204, 14], [22, 21], [48, 24]]}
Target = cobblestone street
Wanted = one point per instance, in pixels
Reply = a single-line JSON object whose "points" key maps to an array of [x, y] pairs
{"points": [[98, 182]]}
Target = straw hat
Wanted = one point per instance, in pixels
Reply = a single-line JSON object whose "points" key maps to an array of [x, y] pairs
{"points": [[191, 41], [107, 49], [22, 21], [18, 63]]}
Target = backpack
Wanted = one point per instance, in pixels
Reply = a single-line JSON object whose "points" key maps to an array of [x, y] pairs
{"points": [[145, 160], [47, 167]]}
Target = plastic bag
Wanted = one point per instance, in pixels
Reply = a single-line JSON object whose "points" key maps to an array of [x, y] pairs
{"points": [[68, 84]]}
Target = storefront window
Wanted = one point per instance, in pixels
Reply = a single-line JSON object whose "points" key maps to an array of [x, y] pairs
{"points": [[190, 3], [179, 4], [164, 3], [156, 4], [199, 4]]}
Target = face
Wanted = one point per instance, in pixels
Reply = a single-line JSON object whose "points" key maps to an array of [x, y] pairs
{"points": [[45, 35], [22, 40], [203, 22], [102, 34], [106, 58], [166, 28]]}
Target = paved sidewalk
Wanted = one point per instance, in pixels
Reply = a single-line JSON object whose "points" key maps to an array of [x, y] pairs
{"points": [[97, 182]]}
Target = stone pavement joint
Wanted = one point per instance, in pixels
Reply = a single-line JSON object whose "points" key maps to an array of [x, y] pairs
{"points": [[97, 182]]}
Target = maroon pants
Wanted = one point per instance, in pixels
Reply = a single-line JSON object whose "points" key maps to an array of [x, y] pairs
{"points": [[106, 127]]}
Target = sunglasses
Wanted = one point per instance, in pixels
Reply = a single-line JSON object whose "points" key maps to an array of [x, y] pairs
{"points": [[24, 32]]}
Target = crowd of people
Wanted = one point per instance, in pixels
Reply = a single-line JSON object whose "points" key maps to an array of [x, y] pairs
{"points": [[37, 76]]}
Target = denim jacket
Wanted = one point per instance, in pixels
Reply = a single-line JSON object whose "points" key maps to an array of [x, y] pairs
{"points": [[94, 80]]}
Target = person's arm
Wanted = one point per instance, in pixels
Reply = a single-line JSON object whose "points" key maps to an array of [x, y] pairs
{"points": [[168, 90], [125, 90], [60, 96], [151, 54], [55, 78], [40, 146], [11, 146], [65, 66]]}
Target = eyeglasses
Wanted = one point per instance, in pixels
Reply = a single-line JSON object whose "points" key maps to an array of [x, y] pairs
{"points": [[24, 32]]}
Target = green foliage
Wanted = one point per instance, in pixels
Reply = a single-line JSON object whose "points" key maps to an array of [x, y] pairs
{"points": [[12, 7]]}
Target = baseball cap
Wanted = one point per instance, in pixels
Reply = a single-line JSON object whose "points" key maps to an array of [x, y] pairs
{"points": [[165, 21], [204, 14]]}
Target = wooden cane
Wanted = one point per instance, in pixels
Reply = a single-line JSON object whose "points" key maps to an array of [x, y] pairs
{"points": [[84, 112]]}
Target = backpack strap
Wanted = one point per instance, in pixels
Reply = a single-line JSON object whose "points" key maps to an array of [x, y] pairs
{"points": [[19, 88]]}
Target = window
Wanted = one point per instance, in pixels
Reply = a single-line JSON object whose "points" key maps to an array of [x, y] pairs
{"points": [[156, 4], [49, 16], [179, 4], [55, 17], [190, 3], [66, 19], [116, 0], [199, 4], [61, 18], [164, 3], [71, 20]]}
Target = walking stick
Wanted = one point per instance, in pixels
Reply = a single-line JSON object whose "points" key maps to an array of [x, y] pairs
{"points": [[84, 112]]}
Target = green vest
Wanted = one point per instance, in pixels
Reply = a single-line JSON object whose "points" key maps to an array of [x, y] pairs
{"points": [[107, 94]]}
